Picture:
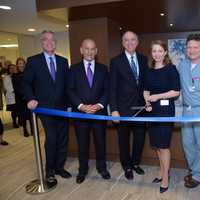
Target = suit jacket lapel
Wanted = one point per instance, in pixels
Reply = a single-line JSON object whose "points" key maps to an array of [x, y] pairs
{"points": [[139, 64], [127, 67], [58, 70], [45, 67], [96, 73]]}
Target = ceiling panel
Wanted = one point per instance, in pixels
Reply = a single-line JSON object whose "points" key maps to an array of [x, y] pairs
{"points": [[8, 38], [24, 15]]}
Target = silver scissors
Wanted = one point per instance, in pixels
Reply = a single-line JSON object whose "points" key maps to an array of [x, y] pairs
{"points": [[141, 108]]}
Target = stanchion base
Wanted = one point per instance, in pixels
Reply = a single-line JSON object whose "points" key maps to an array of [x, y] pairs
{"points": [[35, 187]]}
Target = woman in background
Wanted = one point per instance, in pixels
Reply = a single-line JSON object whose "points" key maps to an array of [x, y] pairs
{"points": [[162, 86], [2, 141], [9, 93], [24, 112], [2, 59]]}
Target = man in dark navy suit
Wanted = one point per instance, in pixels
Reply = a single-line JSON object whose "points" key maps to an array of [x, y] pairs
{"points": [[127, 72], [89, 94], [45, 85]]}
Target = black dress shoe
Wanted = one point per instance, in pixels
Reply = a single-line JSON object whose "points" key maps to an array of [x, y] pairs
{"points": [[80, 178], [26, 134], [157, 180], [188, 177], [138, 170], [192, 183], [51, 181], [129, 174], [15, 125], [4, 143], [63, 173], [163, 189], [50, 177], [105, 174]]}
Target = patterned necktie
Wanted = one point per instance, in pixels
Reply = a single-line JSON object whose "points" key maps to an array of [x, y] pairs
{"points": [[134, 68], [89, 74], [52, 69]]}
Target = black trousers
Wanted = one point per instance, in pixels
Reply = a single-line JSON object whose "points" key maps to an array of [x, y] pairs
{"points": [[56, 132], [1, 127], [127, 158], [83, 130]]}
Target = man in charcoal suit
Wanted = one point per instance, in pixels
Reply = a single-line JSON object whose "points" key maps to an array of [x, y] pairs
{"points": [[45, 85], [88, 91], [127, 72]]}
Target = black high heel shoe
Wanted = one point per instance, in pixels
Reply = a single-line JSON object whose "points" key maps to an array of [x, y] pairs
{"points": [[163, 189], [157, 180]]}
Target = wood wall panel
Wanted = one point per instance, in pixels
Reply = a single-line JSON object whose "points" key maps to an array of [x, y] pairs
{"points": [[90, 28], [149, 157], [107, 36], [146, 39], [105, 32]]}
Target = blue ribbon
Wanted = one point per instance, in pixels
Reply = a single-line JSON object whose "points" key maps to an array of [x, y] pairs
{"points": [[61, 113]]}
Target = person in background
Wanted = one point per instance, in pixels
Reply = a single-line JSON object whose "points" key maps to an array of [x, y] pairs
{"points": [[88, 91], [2, 71], [189, 70], [2, 64], [2, 141], [162, 86], [22, 110], [127, 72], [5, 66], [9, 93]]}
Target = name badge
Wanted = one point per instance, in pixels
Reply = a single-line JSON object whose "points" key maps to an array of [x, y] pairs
{"points": [[164, 102]]}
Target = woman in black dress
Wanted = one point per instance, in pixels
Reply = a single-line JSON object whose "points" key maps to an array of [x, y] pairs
{"points": [[161, 88]]}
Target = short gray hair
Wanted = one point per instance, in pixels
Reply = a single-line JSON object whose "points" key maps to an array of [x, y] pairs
{"points": [[46, 31], [129, 32]]}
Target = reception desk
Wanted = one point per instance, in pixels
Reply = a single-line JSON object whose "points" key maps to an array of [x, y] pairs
{"points": [[148, 157]]}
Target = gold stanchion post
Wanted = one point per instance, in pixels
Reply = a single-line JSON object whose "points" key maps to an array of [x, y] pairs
{"points": [[39, 185]]}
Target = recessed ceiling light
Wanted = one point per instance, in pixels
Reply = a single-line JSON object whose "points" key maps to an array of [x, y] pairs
{"points": [[120, 28], [171, 24], [9, 45], [5, 7], [31, 29], [67, 25], [162, 14]]}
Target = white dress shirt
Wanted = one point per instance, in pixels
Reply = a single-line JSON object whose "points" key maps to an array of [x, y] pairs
{"points": [[92, 66]]}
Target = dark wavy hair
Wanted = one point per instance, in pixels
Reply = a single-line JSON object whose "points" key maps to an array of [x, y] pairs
{"points": [[20, 59], [195, 37], [166, 60]]}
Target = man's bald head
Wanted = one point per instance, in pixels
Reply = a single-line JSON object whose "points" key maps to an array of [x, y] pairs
{"points": [[88, 40], [88, 49]]}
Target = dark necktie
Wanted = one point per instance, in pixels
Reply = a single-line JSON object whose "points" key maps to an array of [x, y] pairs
{"points": [[89, 74], [52, 69], [134, 68]]}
